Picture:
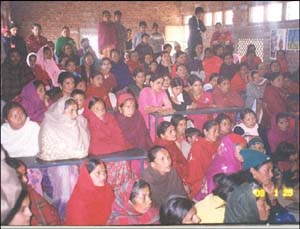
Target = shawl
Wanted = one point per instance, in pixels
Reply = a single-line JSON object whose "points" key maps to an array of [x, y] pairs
{"points": [[22, 142], [276, 136], [89, 205], [124, 214], [134, 130], [107, 35], [228, 70], [99, 92], [200, 157], [132, 65], [211, 65], [163, 186], [106, 135], [49, 66], [61, 137], [252, 64], [179, 162], [241, 206], [33, 43], [34, 106], [122, 74], [109, 82], [230, 99], [238, 84], [224, 161], [254, 92], [61, 42]]}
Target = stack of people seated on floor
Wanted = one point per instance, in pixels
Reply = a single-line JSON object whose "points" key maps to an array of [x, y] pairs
{"points": [[60, 103]]}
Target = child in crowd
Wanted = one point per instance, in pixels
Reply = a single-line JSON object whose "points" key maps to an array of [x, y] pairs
{"points": [[180, 124], [228, 68], [71, 67], [257, 143], [167, 81], [248, 123], [147, 61], [225, 124], [211, 63], [165, 64], [109, 79], [79, 96], [88, 66], [281, 58], [144, 48], [153, 66], [66, 84], [106, 137], [181, 58], [182, 72], [213, 82], [240, 79], [97, 89], [192, 134], [138, 84], [201, 155], [80, 84], [280, 131], [251, 58], [133, 62]]}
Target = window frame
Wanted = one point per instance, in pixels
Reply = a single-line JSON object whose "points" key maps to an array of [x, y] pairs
{"points": [[285, 12]]}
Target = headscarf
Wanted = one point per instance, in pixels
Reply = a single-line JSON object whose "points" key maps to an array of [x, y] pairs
{"points": [[34, 106], [61, 137], [89, 205], [28, 56], [124, 214], [48, 65], [241, 206]]}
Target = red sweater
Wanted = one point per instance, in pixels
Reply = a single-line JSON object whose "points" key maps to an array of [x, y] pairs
{"points": [[99, 92], [238, 84], [200, 157], [211, 65]]}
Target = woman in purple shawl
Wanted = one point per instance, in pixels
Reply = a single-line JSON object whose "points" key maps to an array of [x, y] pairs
{"points": [[34, 100], [228, 160]]}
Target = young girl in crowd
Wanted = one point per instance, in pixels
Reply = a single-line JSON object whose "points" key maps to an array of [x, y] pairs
{"points": [[255, 92], [182, 73], [213, 82], [88, 66], [201, 99], [147, 62], [227, 160], [71, 67], [37, 70], [66, 83], [91, 201], [195, 64], [133, 126], [79, 96], [45, 60], [178, 210], [166, 137], [228, 68], [180, 124], [202, 151], [106, 137], [251, 58], [153, 66], [180, 59], [179, 98], [192, 135], [153, 99], [257, 143], [133, 205], [165, 65], [280, 131], [225, 124], [248, 123], [96, 88], [34, 100], [166, 82], [43, 213], [138, 84], [109, 79], [67, 51], [133, 62], [240, 79], [211, 63], [161, 176], [80, 84]]}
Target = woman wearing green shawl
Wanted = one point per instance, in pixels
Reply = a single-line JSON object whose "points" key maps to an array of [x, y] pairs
{"points": [[64, 39]]}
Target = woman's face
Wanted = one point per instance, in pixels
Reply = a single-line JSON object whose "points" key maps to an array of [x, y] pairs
{"points": [[181, 71], [225, 126], [106, 66], [275, 67], [197, 88], [115, 57], [170, 134], [71, 67], [228, 60], [181, 59], [22, 217], [153, 67], [14, 31], [264, 174], [128, 108], [225, 86], [41, 91], [177, 90], [166, 82], [214, 82], [134, 57], [71, 111], [97, 81], [99, 109], [263, 209], [98, 175], [68, 50], [278, 82], [199, 49], [32, 60], [148, 58], [249, 120], [142, 202], [212, 134], [15, 58], [47, 54], [191, 217], [79, 100], [156, 85], [257, 78], [162, 162], [283, 124], [68, 86], [140, 78], [181, 127], [237, 151], [16, 118], [81, 86], [166, 58], [259, 147], [65, 32], [89, 60], [244, 71], [208, 54]]}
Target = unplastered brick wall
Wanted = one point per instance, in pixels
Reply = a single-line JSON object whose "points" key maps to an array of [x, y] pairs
{"points": [[86, 14]]}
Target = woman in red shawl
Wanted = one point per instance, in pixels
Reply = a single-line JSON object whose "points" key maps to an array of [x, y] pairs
{"points": [[201, 155], [281, 58], [106, 137], [133, 62], [107, 34], [240, 79], [211, 63], [166, 137], [133, 205], [91, 201]]}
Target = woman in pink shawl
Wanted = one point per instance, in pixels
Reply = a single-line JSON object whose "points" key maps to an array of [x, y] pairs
{"points": [[281, 130], [154, 99], [227, 160], [45, 60], [34, 100], [133, 205]]}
